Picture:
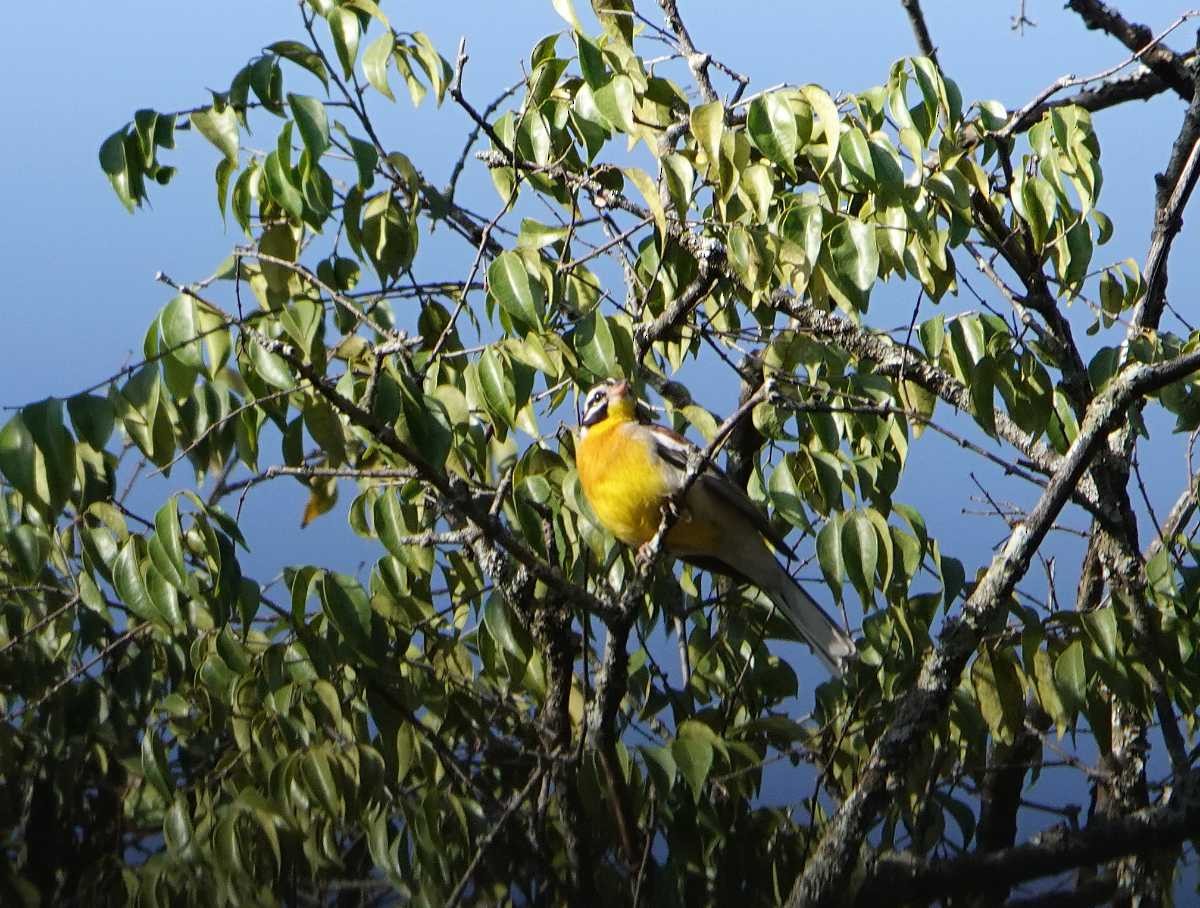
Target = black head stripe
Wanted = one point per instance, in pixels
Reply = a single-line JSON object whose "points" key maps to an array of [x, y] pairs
{"points": [[596, 409]]}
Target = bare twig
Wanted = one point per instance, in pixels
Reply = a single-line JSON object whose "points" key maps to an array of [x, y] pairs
{"points": [[513, 806], [916, 18], [1143, 50], [1165, 63], [697, 62]]}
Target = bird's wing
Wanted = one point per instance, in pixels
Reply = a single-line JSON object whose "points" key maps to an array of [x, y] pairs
{"points": [[674, 449]]}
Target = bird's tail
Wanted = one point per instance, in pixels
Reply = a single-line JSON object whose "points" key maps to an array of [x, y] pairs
{"points": [[828, 641]]}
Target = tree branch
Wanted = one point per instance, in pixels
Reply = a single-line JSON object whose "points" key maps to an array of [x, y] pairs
{"points": [[899, 361], [894, 879], [1163, 61], [493, 530], [1175, 187], [481, 849], [916, 18], [696, 61], [826, 875]]}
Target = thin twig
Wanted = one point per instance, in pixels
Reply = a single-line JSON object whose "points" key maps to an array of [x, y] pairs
{"points": [[481, 849]]}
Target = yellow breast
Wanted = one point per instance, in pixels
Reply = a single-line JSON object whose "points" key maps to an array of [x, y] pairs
{"points": [[626, 484], [622, 480]]}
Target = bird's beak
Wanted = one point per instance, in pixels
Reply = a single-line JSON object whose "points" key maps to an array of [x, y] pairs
{"points": [[620, 389]]}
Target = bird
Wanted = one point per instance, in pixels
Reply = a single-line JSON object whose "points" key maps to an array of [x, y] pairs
{"points": [[629, 467]]}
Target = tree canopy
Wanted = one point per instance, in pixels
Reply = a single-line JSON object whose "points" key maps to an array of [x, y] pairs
{"points": [[506, 706]]}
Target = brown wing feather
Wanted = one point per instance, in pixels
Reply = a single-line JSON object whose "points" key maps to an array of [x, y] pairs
{"points": [[673, 448]]}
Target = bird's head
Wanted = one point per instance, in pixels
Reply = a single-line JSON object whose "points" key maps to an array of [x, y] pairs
{"points": [[613, 398]]}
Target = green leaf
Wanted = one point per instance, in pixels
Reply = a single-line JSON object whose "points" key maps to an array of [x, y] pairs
{"points": [[707, 122], [496, 383], [591, 62], [130, 584], [992, 114], [365, 159], [266, 79], [29, 548], [116, 168], [349, 609], [55, 447], [771, 125], [375, 63], [534, 141], [225, 170], [283, 190], [219, 128], [406, 749], [953, 577], [154, 765], [759, 188], [829, 554], [319, 780], [179, 330], [1036, 203], [1047, 691], [827, 116], [429, 427], [983, 393], [271, 368], [343, 25], [1101, 626], [615, 100], [1070, 677], [304, 56], [177, 826], [389, 237], [390, 525], [920, 402], [437, 69], [566, 9], [499, 625], [1001, 697], [1062, 427], [508, 282], [856, 155], [535, 235], [694, 758], [860, 550], [749, 254], [933, 336], [595, 346], [961, 812], [661, 767], [92, 418], [855, 253], [1076, 255], [371, 8], [166, 545], [678, 173], [649, 190], [311, 119]]}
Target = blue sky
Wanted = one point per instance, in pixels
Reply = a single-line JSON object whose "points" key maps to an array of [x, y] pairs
{"points": [[78, 287]]}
